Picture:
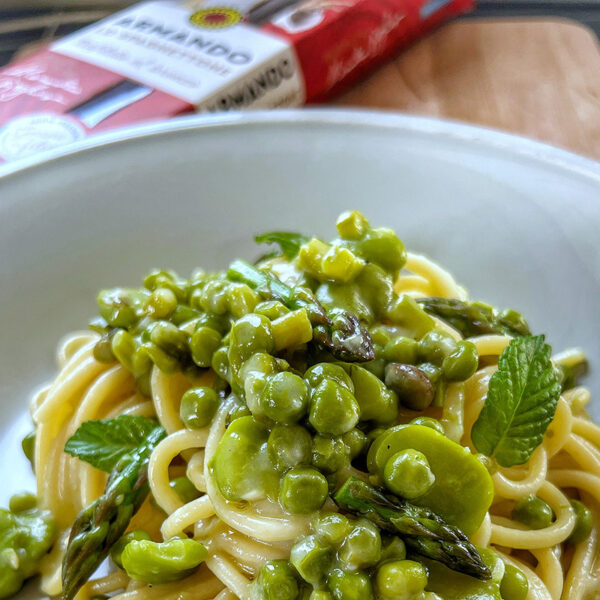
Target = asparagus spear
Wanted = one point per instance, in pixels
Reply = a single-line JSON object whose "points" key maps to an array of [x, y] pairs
{"points": [[475, 319], [423, 531], [338, 331], [103, 522]]}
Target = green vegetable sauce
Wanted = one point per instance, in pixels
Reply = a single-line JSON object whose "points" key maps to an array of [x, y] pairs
{"points": [[316, 357]]}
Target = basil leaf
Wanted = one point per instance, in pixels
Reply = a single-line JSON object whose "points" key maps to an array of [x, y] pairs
{"points": [[289, 243], [475, 318], [104, 443], [520, 404]]}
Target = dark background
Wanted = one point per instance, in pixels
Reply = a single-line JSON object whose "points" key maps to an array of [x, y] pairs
{"points": [[46, 19]]}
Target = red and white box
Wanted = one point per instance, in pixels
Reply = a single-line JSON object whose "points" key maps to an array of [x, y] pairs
{"points": [[160, 59]]}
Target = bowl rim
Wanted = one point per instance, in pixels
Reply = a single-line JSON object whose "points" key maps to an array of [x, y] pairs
{"points": [[484, 137]]}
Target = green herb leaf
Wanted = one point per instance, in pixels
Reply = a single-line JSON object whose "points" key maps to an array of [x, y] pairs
{"points": [[520, 404], [288, 242], [104, 443], [475, 318]]}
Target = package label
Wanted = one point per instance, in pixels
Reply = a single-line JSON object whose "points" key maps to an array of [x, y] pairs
{"points": [[168, 47]]}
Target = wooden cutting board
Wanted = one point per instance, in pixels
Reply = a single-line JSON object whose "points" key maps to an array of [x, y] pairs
{"points": [[535, 77]]}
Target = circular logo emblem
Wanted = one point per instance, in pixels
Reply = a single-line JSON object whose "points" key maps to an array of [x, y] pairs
{"points": [[217, 17], [34, 133]]}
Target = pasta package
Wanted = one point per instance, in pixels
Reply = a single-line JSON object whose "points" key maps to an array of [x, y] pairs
{"points": [[159, 59]]}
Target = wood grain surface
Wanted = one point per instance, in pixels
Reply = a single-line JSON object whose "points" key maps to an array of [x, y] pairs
{"points": [[535, 77]]}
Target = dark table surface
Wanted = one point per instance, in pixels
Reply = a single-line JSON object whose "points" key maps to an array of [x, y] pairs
{"points": [[20, 19]]}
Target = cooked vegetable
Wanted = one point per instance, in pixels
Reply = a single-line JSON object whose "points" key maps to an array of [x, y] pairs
{"points": [[303, 490], [475, 318], [198, 407], [338, 331], [462, 490], [153, 562], [276, 581], [407, 474], [520, 404], [400, 580], [533, 512], [514, 584], [584, 523], [424, 532], [26, 534], [103, 522]]}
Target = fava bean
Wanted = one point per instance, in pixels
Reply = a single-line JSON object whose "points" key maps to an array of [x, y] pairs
{"points": [[117, 549], [312, 558], [153, 562]]}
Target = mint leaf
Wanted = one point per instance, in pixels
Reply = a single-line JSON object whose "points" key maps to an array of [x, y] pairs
{"points": [[520, 404], [104, 443], [288, 242]]}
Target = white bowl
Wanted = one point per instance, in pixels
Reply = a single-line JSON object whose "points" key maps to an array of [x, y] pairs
{"points": [[517, 222]]}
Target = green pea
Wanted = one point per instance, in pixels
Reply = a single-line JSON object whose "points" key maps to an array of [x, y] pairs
{"points": [[331, 528], [393, 548], [153, 562], [401, 350], [362, 546], [382, 247], [198, 407], [334, 409], [203, 344], [411, 384], [312, 558], [285, 398], [22, 501], [169, 338], [377, 403], [272, 309], [217, 322], [356, 442], [118, 307], [165, 279], [329, 454], [408, 474], [241, 299], [400, 580], [103, 349], [435, 346], [185, 489], [352, 225], [320, 372], [583, 525], [289, 446], [123, 347], [161, 303], [320, 595], [250, 334], [117, 548], [183, 314], [533, 512], [514, 584], [350, 586], [429, 422], [460, 364], [276, 581], [303, 490], [28, 446]]}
